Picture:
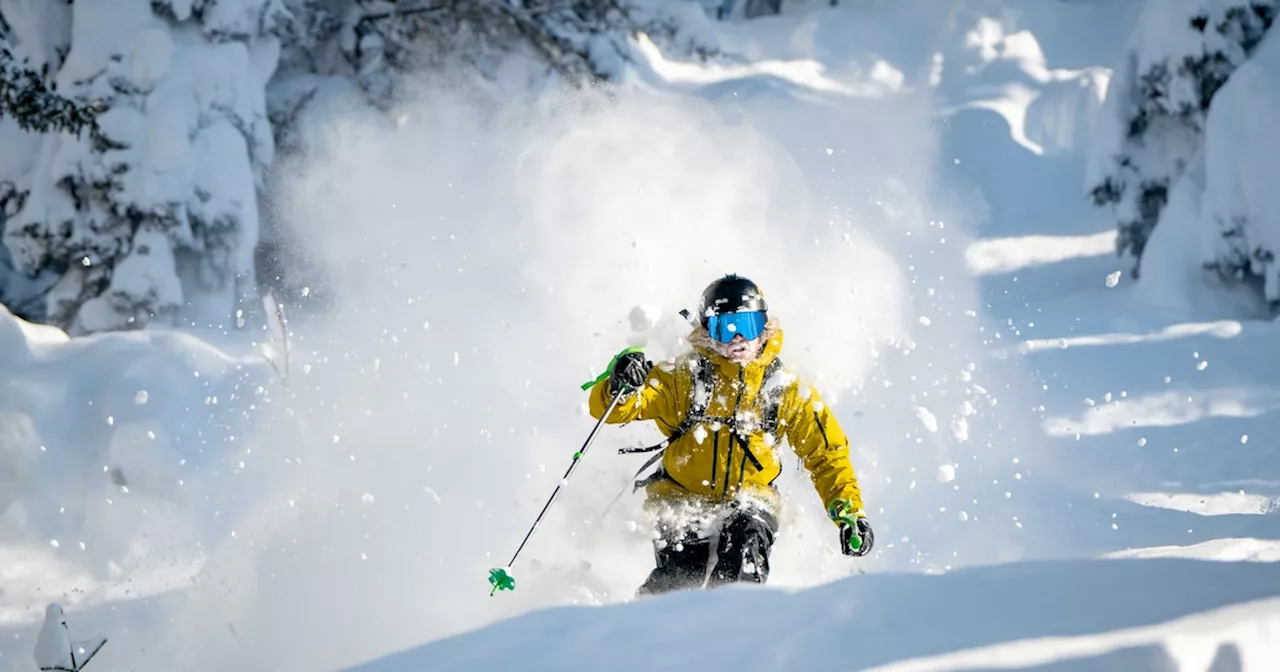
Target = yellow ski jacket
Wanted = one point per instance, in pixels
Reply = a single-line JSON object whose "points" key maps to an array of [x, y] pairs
{"points": [[708, 462]]}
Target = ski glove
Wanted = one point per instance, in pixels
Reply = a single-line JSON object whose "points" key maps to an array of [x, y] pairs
{"points": [[856, 535], [862, 529], [629, 372]]}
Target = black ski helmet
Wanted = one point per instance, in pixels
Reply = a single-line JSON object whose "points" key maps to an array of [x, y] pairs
{"points": [[730, 294]]}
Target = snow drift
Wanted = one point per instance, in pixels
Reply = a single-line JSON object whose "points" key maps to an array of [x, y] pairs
{"points": [[1193, 615]]}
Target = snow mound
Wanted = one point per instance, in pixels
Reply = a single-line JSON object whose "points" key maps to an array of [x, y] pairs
{"points": [[1144, 614], [105, 443], [20, 339], [1050, 111]]}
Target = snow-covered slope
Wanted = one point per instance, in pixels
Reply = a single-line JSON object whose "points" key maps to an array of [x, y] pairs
{"points": [[1077, 615], [903, 181]]}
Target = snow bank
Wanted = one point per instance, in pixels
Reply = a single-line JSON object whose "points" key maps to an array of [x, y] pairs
{"points": [[113, 450], [1051, 111], [1139, 615]]}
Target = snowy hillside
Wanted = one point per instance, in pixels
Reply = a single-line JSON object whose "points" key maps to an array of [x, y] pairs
{"points": [[1067, 468]]}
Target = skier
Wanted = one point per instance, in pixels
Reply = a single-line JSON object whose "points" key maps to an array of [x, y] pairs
{"points": [[722, 408]]}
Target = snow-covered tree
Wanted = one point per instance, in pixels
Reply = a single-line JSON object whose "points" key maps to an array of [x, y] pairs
{"points": [[166, 210], [1153, 124], [158, 213], [578, 41], [1242, 158], [26, 93], [334, 48], [34, 39]]}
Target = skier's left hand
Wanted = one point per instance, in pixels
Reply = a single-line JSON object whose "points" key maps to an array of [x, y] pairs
{"points": [[862, 529], [853, 523]]}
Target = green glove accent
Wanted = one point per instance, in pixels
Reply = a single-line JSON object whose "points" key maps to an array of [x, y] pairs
{"points": [[501, 580], [843, 513], [609, 370]]}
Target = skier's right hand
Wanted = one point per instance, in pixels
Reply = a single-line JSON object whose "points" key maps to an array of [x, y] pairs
{"points": [[629, 373]]}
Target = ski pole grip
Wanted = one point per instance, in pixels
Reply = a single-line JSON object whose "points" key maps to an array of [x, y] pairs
{"points": [[608, 371]]}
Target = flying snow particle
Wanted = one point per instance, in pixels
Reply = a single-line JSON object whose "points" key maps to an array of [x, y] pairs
{"points": [[963, 516], [366, 498], [644, 318], [1113, 279], [946, 473], [927, 419], [140, 398]]}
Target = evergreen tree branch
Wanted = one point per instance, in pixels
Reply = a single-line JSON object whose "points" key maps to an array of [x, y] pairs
{"points": [[26, 96]]}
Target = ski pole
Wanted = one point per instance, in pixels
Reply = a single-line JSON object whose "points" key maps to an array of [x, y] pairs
{"points": [[499, 577]]}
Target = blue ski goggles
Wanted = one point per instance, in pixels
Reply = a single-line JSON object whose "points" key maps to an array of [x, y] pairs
{"points": [[748, 325]]}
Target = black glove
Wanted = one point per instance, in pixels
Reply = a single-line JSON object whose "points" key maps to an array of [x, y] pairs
{"points": [[629, 373], [862, 529]]}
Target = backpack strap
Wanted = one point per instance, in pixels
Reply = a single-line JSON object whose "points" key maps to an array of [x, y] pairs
{"points": [[704, 380], [771, 397]]}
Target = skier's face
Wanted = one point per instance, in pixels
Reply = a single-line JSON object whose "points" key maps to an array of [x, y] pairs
{"points": [[739, 350]]}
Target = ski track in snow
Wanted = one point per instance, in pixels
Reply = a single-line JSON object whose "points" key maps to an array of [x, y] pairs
{"points": [[1021, 407]]}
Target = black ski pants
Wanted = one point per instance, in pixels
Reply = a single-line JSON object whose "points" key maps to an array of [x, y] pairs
{"points": [[734, 547]]}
